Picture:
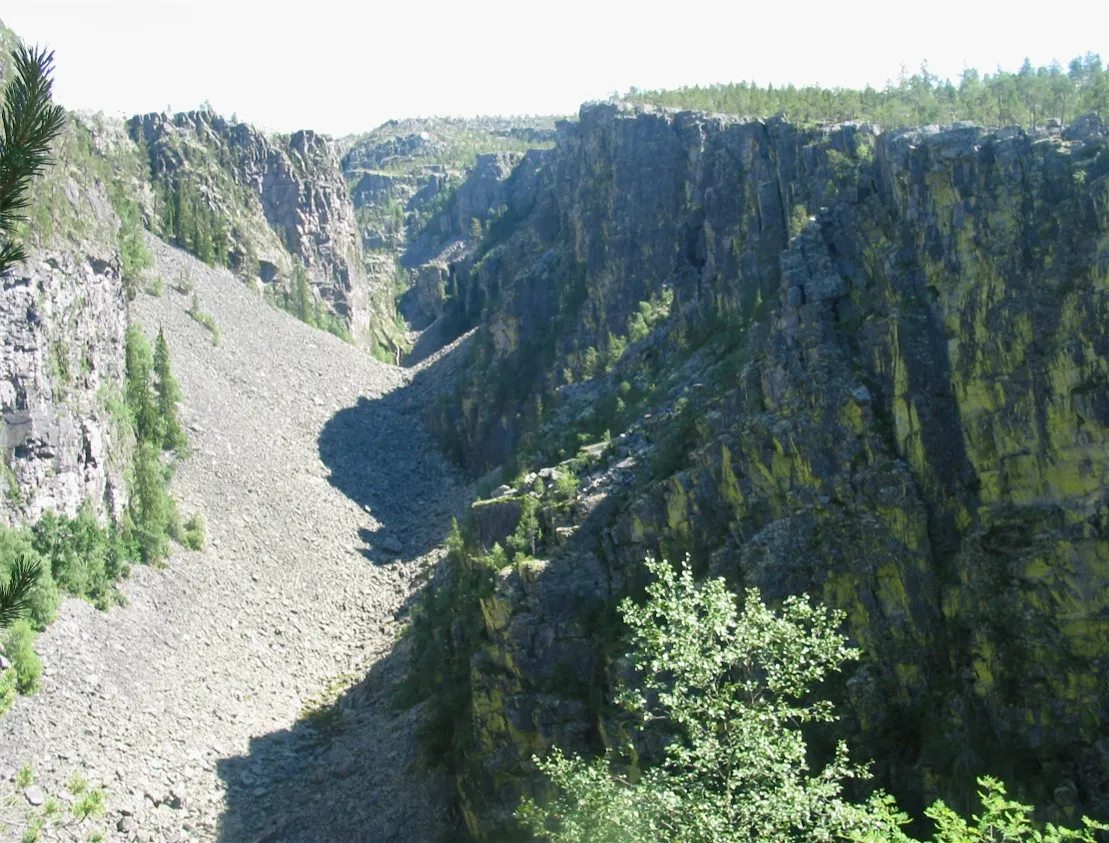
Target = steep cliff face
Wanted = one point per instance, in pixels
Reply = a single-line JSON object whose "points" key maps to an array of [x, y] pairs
{"points": [[273, 198], [419, 187], [870, 367], [62, 324]]}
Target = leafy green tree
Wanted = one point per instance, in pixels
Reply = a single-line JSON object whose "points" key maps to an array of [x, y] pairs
{"points": [[167, 394], [732, 690], [28, 126]]}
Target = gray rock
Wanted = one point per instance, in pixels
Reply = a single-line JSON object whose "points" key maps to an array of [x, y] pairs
{"points": [[62, 321], [35, 795], [1086, 127]]}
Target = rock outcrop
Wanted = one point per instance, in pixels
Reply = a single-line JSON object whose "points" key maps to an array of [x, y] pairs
{"points": [[280, 198], [62, 324], [880, 377]]}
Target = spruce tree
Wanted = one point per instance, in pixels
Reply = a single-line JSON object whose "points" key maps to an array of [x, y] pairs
{"points": [[168, 393], [151, 508], [30, 122], [302, 296], [137, 388]]}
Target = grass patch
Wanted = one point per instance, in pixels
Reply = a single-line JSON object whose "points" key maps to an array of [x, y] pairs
{"points": [[204, 318]]}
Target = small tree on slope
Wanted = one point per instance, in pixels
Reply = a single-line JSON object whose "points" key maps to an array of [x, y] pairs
{"points": [[733, 687], [168, 393]]}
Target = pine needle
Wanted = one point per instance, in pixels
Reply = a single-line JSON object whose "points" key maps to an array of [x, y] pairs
{"points": [[30, 122], [15, 593]]}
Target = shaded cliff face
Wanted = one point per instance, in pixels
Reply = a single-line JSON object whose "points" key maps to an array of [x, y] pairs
{"points": [[870, 367], [62, 324], [425, 191], [277, 197]]}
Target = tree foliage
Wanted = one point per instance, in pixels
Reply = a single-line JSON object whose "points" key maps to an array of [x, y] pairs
{"points": [[151, 394], [30, 123], [15, 594], [167, 394], [1027, 97], [731, 690]]}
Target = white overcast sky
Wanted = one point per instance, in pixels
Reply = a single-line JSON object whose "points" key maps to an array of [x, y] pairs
{"points": [[347, 67]]}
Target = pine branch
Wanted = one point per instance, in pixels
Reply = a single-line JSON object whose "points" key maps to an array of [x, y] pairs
{"points": [[29, 124], [14, 594]]}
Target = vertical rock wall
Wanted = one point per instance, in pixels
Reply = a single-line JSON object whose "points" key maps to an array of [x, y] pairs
{"points": [[891, 354]]}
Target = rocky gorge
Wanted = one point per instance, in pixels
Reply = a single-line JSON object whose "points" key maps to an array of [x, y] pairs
{"points": [[868, 365], [880, 379]]}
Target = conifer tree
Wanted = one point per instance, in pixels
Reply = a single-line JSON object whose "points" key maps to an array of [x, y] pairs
{"points": [[138, 393], [15, 593], [151, 508], [29, 124], [168, 393], [302, 296]]}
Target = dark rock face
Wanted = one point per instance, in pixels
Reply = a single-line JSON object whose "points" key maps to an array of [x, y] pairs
{"points": [[912, 422], [283, 197], [426, 193]]}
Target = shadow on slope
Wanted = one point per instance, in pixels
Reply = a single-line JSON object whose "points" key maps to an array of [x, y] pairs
{"points": [[380, 458], [349, 769], [346, 771]]}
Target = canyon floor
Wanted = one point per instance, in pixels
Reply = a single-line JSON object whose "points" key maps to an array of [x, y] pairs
{"points": [[243, 693]]}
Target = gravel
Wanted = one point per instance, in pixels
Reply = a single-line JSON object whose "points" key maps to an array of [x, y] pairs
{"points": [[325, 505]]}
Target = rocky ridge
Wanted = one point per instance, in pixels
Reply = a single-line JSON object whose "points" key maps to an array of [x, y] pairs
{"points": [[280, 198], [62, 322]]}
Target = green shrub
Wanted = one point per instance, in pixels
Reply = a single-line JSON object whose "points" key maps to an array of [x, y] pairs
{"points": [[18, 646], [192, 535], [205, 319], [8, 688], [731, 688]]}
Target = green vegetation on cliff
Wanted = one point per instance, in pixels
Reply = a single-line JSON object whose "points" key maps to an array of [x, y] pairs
{"points": [[877, 382], [1027, 98], [79, 555], [731, 692]]}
